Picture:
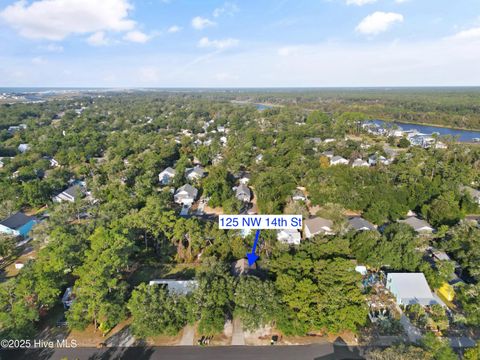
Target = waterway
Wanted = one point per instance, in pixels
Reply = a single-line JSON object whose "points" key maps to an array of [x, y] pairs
{"points": [[462, 135]]}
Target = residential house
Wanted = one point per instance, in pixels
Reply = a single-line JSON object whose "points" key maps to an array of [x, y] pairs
{"points": [[244, 178], [179, 287], [166, 176], [299, 195], [378, 159], [259, 158], [360, 163], [329, 154], [241, 267], [360, 224], [318, 225], [243, 193], [23, 148], [420, 226], [410, 288], [74, 192], [474, 193], [338, 160], [17, 224], [195, 173], [289, 236], [186, 195]]}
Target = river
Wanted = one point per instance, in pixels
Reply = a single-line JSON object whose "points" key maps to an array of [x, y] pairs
{"points": [[463, 135]]}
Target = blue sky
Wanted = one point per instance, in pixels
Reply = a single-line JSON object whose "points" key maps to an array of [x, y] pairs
{"points": [[248, 43]]}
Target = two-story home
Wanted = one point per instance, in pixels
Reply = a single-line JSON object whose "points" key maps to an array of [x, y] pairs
{"points": [[166, 176], [186, 195]]}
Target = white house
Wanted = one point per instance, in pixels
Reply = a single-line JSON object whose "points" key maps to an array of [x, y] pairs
{"points": [[378, 159], [23, 147], [291, 237], [71, 194], [166, 176], [185, 195], [318, 225], [360, 163], [180, 287], [299, 195], [195, 173], [410, 288], [338, 160]]}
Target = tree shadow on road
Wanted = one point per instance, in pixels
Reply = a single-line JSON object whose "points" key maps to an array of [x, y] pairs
{"points": [[342, 351]]}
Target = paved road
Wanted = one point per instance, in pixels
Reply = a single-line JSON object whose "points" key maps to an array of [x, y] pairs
{"points": [[307, 352]]}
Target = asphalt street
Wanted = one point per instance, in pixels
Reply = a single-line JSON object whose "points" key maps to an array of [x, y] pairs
{"points": [[307, 352]]}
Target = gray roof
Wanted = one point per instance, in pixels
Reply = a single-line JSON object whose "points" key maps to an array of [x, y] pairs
{"points": [[17, 220], [189, 189], [197, 170], [74, 191], [410, 287], [243, 190], [337, 158], [169, 170], [358, 223], [316, 225], [416, 223]]}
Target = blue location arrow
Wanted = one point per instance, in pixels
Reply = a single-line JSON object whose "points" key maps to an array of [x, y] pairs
{"points": [[252, 257]]}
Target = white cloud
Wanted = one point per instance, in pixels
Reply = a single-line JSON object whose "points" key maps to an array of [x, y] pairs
{"points": [[402, 1], [98, 39], [200, 23], [378, 22], [38, 60], [217, 44], [360, 2], [56, 19], [55, 48], [137, 36], [228, 8], [470, 34], [174, 29]]}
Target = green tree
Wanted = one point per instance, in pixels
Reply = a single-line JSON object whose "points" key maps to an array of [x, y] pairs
{"points": [[156, 312], [255, 302]]}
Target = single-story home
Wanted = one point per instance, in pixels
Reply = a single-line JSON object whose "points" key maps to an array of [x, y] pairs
{"points": [[241, 267], [360, 163], [166, 176], [338, 160], [289, 236], [180, 287], [195, 173], [185, 195], [410, 288], [358, 223], [318, 225], [243, 193], [74, 192], [420, 226], [18, 224]]}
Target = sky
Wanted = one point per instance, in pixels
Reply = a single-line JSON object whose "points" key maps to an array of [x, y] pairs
{"points": [[242, 43]]}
